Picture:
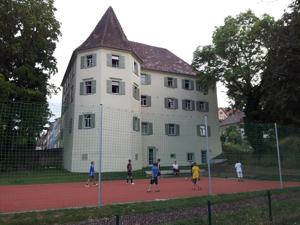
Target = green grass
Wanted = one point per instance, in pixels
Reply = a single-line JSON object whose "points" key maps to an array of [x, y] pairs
{"points": [[81, 214]]}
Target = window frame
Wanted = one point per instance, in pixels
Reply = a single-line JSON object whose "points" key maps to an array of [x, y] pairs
{"points": [[190, 158], [175, 127], [171, 101]]}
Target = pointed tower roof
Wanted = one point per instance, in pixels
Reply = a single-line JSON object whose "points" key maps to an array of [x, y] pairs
{"points": [[108, 32]]}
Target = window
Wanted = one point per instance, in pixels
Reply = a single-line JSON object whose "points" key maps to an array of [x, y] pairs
{"points": [[145, 79], [136, 156], [136, 92], [190, 157], [201, 130], [72, 93], [88, 87], [84, 156], [145, 100], [199, 88], [115, 87], [202, 106], [70, 126], [173, 156], [187, 84], [88, 61], [170, 82], [116, 61], [136, 124], [204, 157], [221, 113], [172, 129], [171, 103], [147, 128], [135, 68], [188, 104], [86, 121]]}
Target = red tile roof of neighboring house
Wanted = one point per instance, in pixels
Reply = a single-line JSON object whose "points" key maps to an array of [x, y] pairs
{"points": [[236, 117], [109, 33]]}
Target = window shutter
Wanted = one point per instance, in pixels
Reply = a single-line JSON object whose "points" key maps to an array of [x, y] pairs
{"points": [[122, 62], [74, 69], [81, 88], [94, 60], [70, 126], [167, 129], [82, 62], [206, 107], [122, 86], [176, 103], [109, 60], [177, 129], [175, 82], [93, 86], [193, 105], [133, 91], [182, 83], [133, 123], [61, 134], [138, 121], [138, 94], [80, 121], [198, 130], [183, 104], [93, 120], [166, 102], [166, 81], [108, 86], [208, 131], [192, 84], [148, 101], [150, 128], [148, 79], [197, 106]]}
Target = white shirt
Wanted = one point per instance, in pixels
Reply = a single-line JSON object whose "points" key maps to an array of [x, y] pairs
{"points": [[175, 166], [238, 167]]}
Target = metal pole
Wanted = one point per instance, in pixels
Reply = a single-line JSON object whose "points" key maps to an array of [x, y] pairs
{"points": [[209, 212], [279, 163], [207, 155], [100, 153]]}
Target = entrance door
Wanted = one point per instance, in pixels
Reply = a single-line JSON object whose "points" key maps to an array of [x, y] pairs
{"points": [[151, 156]]}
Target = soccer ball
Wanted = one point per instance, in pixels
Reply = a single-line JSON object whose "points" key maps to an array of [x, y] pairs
{"points": [[185, 179]]}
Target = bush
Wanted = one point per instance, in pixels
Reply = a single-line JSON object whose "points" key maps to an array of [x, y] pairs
{"points": [[230, 148]]}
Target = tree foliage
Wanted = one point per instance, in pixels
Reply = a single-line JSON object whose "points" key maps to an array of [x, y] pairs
{"points": [[257, 60], [28, 36]]}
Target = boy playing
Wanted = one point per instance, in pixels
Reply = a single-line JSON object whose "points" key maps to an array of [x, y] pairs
{"points": [[239, 171], [196, 175], [92, 175], [129, 172], [154, 177]]}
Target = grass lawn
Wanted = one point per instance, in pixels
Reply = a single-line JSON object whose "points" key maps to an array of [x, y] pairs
{"points": [[286, 210]]}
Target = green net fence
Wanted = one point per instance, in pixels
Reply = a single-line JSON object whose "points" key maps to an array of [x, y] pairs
{"points": [[46, 154]]}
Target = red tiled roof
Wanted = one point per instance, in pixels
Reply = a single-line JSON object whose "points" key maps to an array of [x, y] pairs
{"points": [[109, 33], [236, 117]]}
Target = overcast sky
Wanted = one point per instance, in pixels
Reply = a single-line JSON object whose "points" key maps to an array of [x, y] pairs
{"points": [[177, 25]]}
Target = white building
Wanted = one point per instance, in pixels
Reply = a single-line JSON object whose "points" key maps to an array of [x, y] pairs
{"points": [[145, 82]]}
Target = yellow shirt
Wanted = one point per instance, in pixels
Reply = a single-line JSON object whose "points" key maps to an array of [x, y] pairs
{"points": [[195, 171]]}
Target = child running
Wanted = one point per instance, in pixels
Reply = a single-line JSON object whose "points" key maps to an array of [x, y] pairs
{"points": [[196, 175], [154, 177], [238, 166], [129, 172], [92, 175]]}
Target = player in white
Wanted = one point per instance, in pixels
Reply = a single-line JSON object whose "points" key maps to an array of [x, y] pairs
{"points": [[239, 171]]}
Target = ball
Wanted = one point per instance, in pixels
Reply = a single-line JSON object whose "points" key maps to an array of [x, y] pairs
{"points": [[185, 179]]}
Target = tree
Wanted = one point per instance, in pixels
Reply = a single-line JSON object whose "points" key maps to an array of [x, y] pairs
{"points": [[237, 59], [28, 36]]}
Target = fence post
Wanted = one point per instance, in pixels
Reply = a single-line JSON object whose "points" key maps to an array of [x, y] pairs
{"points": [[270, 209], [278, 156], [209, 212], [208, 158], [117, 219], [100, 153]]}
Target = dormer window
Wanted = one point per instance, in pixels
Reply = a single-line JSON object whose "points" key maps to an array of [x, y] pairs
{"points": [[115, 61]]}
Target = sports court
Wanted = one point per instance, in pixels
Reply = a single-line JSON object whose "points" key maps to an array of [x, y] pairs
{"points": [[21, 198]]}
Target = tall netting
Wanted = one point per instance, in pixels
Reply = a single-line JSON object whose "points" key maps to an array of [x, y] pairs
{"points": [[48, 152]]}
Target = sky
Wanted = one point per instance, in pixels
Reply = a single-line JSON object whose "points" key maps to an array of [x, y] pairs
{"points": [[177, 25]]}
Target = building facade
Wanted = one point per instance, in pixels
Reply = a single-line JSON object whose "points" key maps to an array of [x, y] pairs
{"points": [[145, 80]]}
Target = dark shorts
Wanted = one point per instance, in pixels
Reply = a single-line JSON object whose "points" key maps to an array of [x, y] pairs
{"points": [[194, 181], [129, 174], [154, 181], [175, 171], [92, 177]]}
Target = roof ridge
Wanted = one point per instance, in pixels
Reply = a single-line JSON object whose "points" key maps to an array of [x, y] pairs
{"points": [[105, 27]]}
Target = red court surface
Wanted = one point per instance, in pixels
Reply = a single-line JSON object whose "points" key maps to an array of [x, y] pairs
{"points": [[21, 198]]}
